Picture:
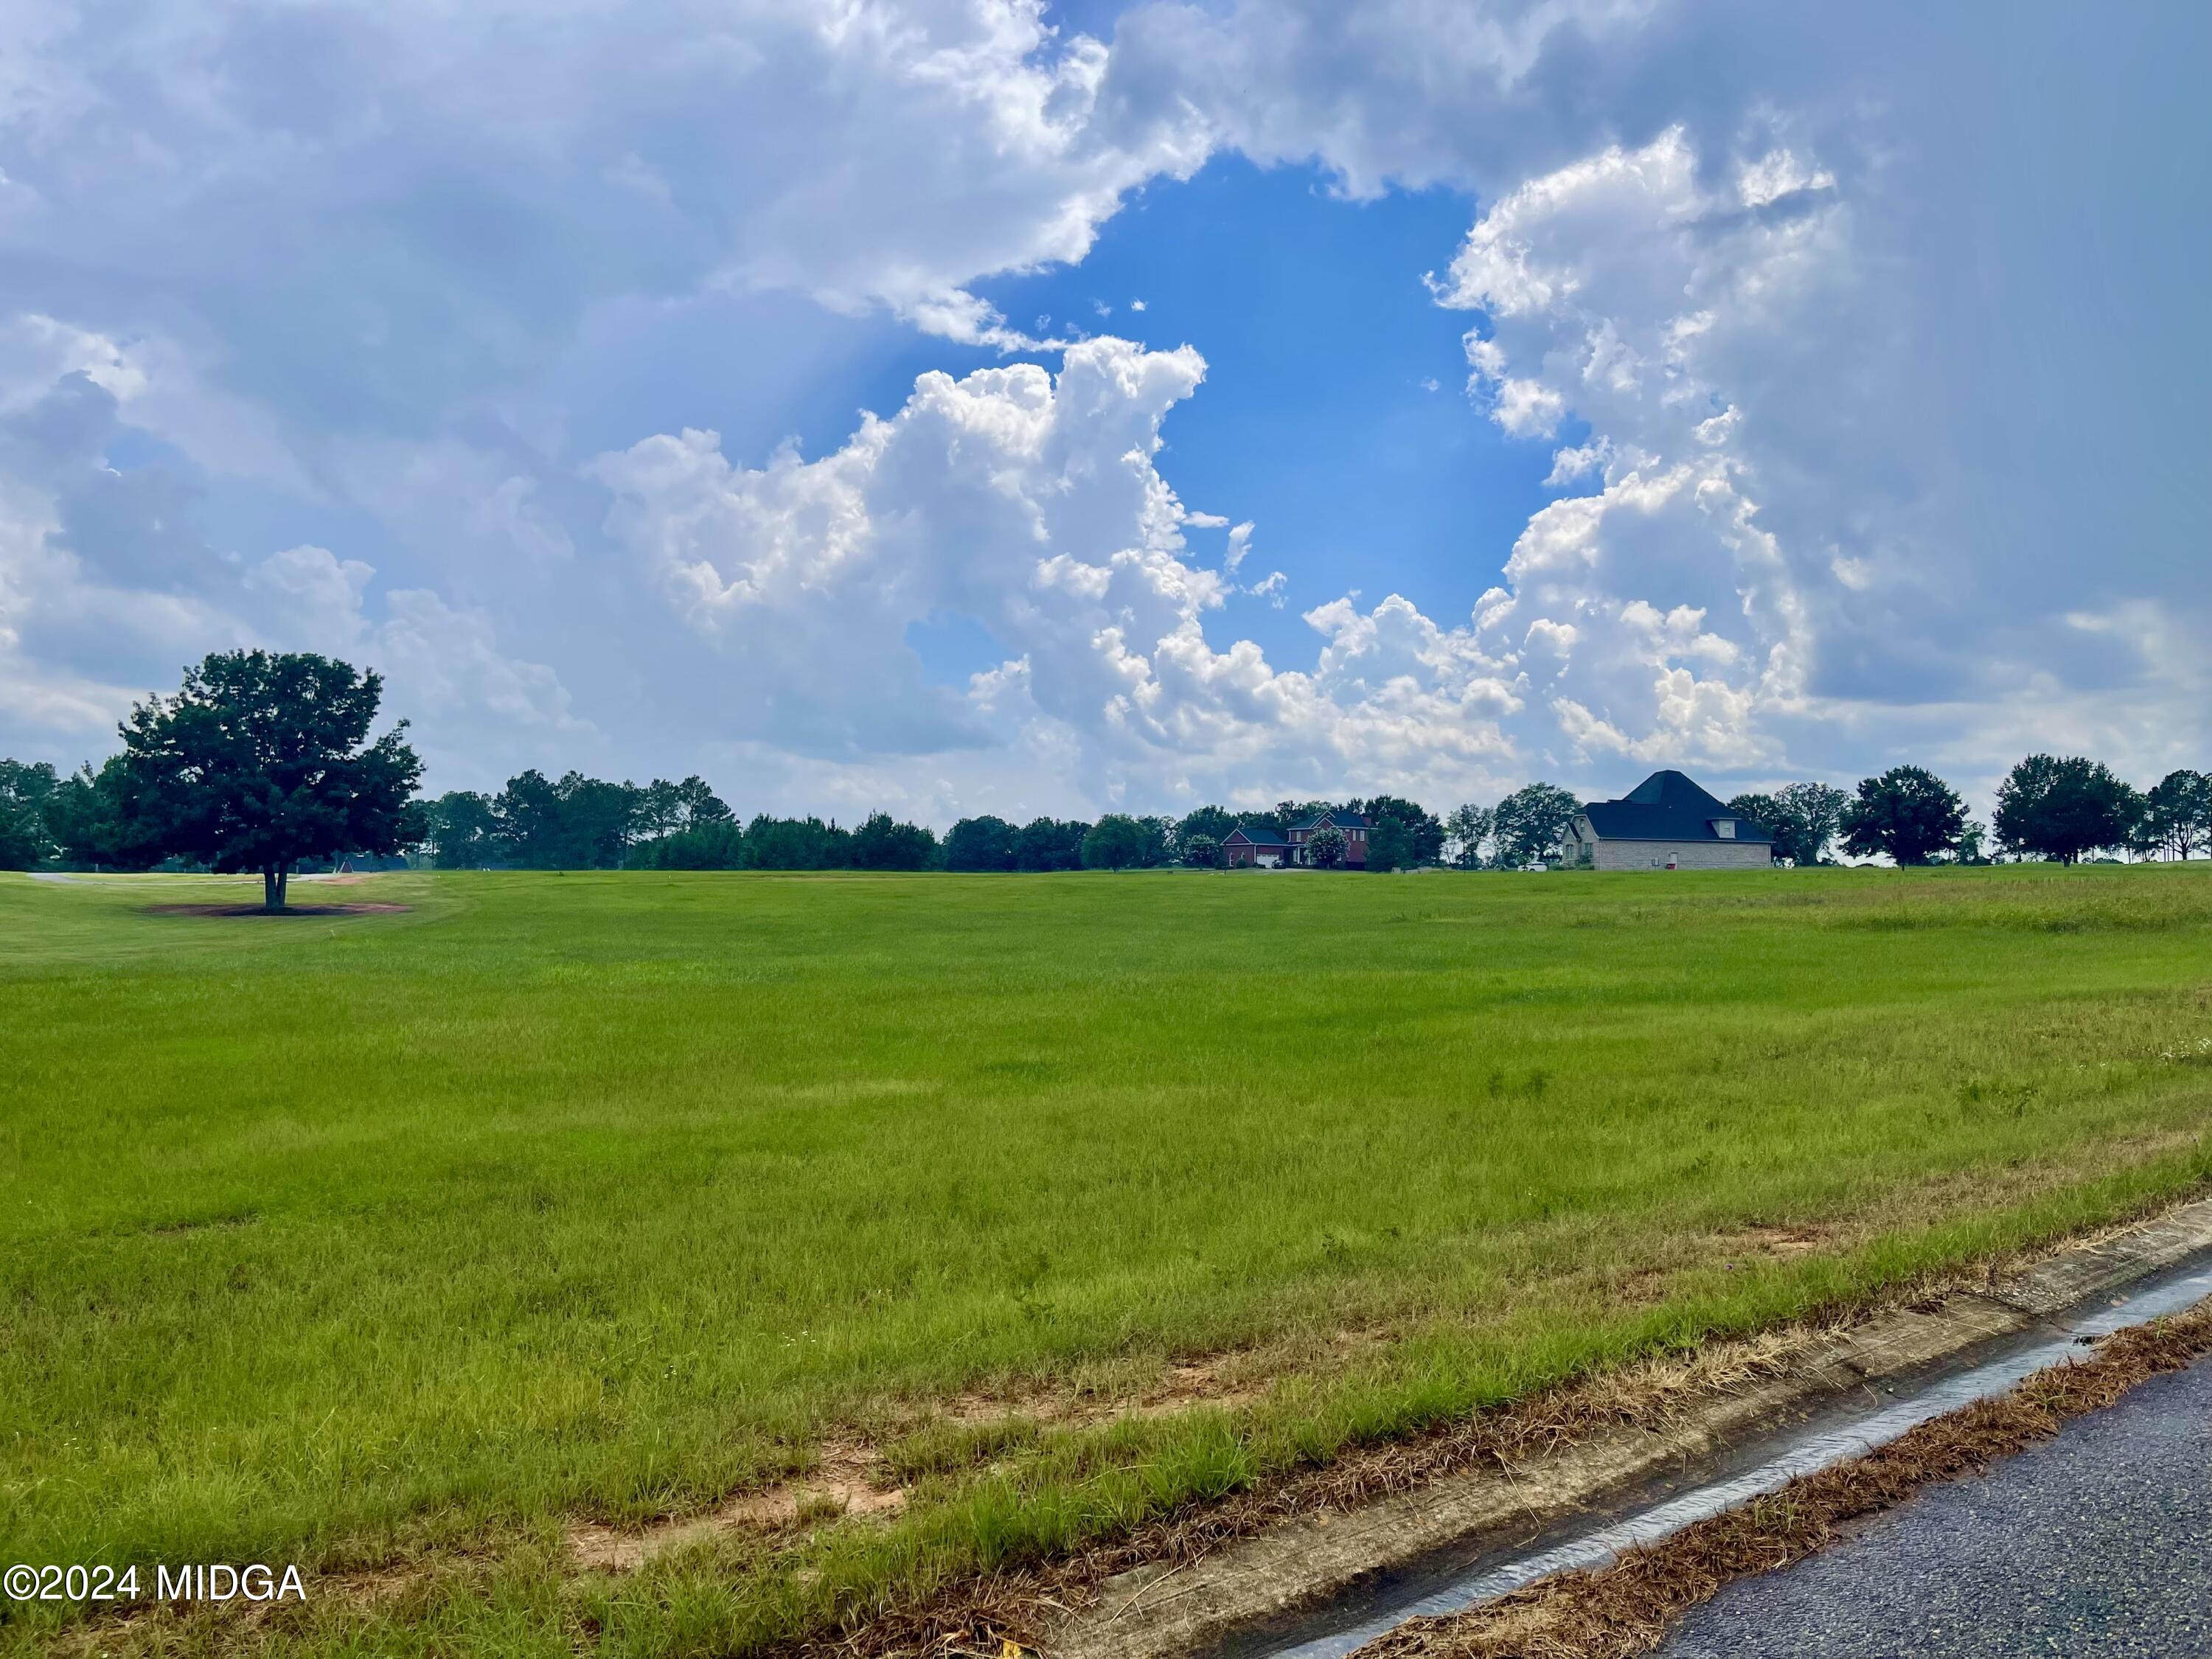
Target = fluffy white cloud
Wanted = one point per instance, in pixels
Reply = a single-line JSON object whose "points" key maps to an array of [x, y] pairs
{"points": [[1631, 288], [1031, 503]]}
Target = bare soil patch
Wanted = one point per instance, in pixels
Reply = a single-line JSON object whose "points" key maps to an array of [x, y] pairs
{"points": [[848, 1481], [289, 911], [853, 1478]]}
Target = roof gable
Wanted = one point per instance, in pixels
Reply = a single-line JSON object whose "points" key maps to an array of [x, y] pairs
{"points": [[1668, 806], [1675, 792]]}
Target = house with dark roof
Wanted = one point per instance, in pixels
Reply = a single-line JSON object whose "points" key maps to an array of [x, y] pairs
{"points": [[1353, 826], [1264, 847], [1261, 846], [1667, 823]]}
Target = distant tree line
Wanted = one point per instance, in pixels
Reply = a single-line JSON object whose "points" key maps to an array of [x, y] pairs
{"points": [[578, 822], [1404, 835], [264, 763], [2061, 809]]}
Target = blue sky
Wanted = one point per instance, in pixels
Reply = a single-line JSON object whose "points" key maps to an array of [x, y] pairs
{"points": [[763, 390]]}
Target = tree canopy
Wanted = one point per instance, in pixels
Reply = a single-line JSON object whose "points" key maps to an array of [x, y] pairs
{"points": [[25, 839], [2177, 818], [1803, 818], [712, 844], [580, 823], [984, 843], [1390, 846], [462, 831], [1423, 837], [1118, 841], [884, 843], [1051, 844], [1468, 828], [807, 843], [572, 823], [1532, 822], [1816, 815], [1213, 823], [1908, 813], [2060, 808], [262, 760]]}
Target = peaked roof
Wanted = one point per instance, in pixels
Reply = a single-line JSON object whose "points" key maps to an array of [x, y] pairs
{"points": [[1334, 818], [1261, 838], [1668, 806]]}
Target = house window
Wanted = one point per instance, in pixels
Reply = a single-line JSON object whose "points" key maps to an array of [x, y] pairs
{"points": [[1724, 828]]}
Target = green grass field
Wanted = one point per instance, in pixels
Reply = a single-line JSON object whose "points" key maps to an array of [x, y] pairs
{"points": [[381, 1241]]}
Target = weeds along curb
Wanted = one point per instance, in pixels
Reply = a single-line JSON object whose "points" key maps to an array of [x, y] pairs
{"points": [[1624, 1610]]}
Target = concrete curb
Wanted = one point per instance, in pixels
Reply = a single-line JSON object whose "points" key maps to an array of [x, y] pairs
{"points": [[1154, 1613]]}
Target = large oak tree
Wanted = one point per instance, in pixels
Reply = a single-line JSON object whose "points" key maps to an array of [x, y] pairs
{"points": [[1532, 822], [263, 760], [2061, 807], [1907, 812]]}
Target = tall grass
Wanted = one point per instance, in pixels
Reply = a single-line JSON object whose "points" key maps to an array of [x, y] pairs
{"points": [[607, 1196]]}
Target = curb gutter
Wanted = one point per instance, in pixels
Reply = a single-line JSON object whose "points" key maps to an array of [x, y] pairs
{"points": [[1168, 1612]]}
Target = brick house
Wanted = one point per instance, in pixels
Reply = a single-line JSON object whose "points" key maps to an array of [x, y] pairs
{"points": [[1268, 850], [1667, 823], [1262, 847], [1353, 826]]}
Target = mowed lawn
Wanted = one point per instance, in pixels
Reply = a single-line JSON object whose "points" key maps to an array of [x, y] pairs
{"points": [[352, 1241]]}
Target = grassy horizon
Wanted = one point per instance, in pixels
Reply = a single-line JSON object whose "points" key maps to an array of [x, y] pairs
{"points": [[598, 1197]]}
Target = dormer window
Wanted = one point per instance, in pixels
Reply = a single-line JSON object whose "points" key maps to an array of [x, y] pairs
{"points": [[1724, 828]]}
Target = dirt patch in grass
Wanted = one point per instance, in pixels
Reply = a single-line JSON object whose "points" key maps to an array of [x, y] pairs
{"points": [[1624, 1610], [850, 1480], [288, 911], [855, 1478], [1199, 1382], [1779, 1244]]}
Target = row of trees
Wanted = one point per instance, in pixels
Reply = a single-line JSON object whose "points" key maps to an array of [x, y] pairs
{"points": [[264, 762], [2059, 808], [569, 822], [1527, 824], [578, 822], [1405, 835]]}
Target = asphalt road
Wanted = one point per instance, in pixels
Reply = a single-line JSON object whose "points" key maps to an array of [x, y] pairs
{"points": [[2095, 1545]]}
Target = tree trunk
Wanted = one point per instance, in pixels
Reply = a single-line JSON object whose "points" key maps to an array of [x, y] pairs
{"points": [[272, 890]]}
